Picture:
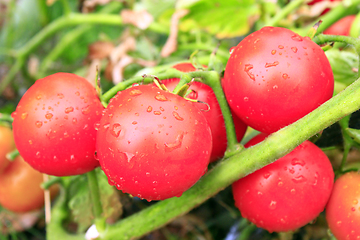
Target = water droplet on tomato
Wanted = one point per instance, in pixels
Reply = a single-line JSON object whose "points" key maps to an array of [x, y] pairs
{"points": [[30, 142], [51, 134], [296, 161], [275, 87], [86, 110], [37, 155], [267, 175], [24, 115], [293, 191], [177, 116], [38, 97], [246, 99], [294, 49], [147, 174], [97, 126], [69, 109], [267, 65], [280, 184], [272, 205], [296, 38], [338, 223], [74, 120], [355, 202], [149, 109], [77, 93], [316, 176], [38, 124], [115, 130], [273, 52], [231, 50], [49, 115], [285, 76], [106, 126], [111, 182], [281, 47], [157, 112], [66, 135], [247, 69], [72, 159], [135, 92], [161, 97], [299, 179], [176, 144], [260, 193], [134, 122], [60, 95]]}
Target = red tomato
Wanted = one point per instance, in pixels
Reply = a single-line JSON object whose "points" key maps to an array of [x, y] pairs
{"points": [[7, 145], [20, 189], [153, 144], [288, 193], [314, 2], [54, 125], [274, 77], [343, 208], [214, 116], [341, 27]]}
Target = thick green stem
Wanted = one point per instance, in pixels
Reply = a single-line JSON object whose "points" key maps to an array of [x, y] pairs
{"points": [[239, 165], [95, 193]]}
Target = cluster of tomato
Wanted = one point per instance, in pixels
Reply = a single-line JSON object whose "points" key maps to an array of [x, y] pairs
{"points": [[154, 144]]}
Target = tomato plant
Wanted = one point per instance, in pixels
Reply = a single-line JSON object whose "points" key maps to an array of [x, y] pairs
{"points": [[153, 144], [341, 27], [212, 111], [269, 92], [288, 193], [54, 125], [20, 189], [343, 208], [7, 145]]}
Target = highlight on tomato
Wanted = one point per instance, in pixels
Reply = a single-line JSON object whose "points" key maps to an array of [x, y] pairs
{"points": [[54, 125], [289, 193]]}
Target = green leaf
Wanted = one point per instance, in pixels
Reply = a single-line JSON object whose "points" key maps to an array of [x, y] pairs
{"points": [[80, 201], [225, 19], [354, 134], [343, 64]]}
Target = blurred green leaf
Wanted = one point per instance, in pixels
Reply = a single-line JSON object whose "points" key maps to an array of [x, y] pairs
{"points": [[344, 65], [225, 19], [80, 201]]}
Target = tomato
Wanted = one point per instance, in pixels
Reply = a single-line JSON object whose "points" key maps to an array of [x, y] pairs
{"points": [[274, 77], [343, 209], [54, 125], [341, 27], [7, 145], [153, 144], [214, 116], [314, 2], [288, 193], [20, 189]]}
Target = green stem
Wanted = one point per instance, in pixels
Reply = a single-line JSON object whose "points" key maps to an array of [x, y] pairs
{"points": [[284, 12], [237, 166], [66, 7], [95, 193], [12, 155], [348, 142], [44, 13]]}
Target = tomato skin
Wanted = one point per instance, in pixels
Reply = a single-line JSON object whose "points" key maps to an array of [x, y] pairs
{"points": [[154, 144], [343, 209], [271, 79], [7, 145], [54, 125], [20, 189], [204, 93], [341, 27], [288, 193]]}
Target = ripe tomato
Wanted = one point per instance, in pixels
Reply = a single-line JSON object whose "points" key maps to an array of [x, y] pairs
{"points": [[54, 125], [7, 145], [341, 27], [214, 117], [153, 144], [343, 208], [288, 193], [274, 77], [20, 189]]}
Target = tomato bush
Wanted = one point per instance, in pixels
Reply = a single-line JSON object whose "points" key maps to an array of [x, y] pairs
{"points": [[288, 193], [20, 187], [268, 92], [343, 209], [54, 125], [153, 144], [212, 111]]}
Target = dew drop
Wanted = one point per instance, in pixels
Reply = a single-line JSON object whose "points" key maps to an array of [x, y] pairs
{"points": [[267, 175], [38, 97], [147, 174], [353, 209], [66, 135], [134, 122], [231, 50], [97, 126], [273, 52], [115, 130], [275, 87], [157, 112], [338, 223], [296, 38], [281, 47], [38, 124], [294, 49], [296, 161], [135, 92], [257, 40], [72, 158], [74, 120], [293, 191], [30, 142], [106, 126], [285, 76], [246, 99], [355, 202], [60, 95], [162, 109], [177, 116], [149, 109], [37, 155], [272, 205], [48, 115], [24, 115], [77, 93], [69, 109], [299, 179], [161, 98], [247, 69], [86, 110], [280, 184], [267, 65], [174, 145]]}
